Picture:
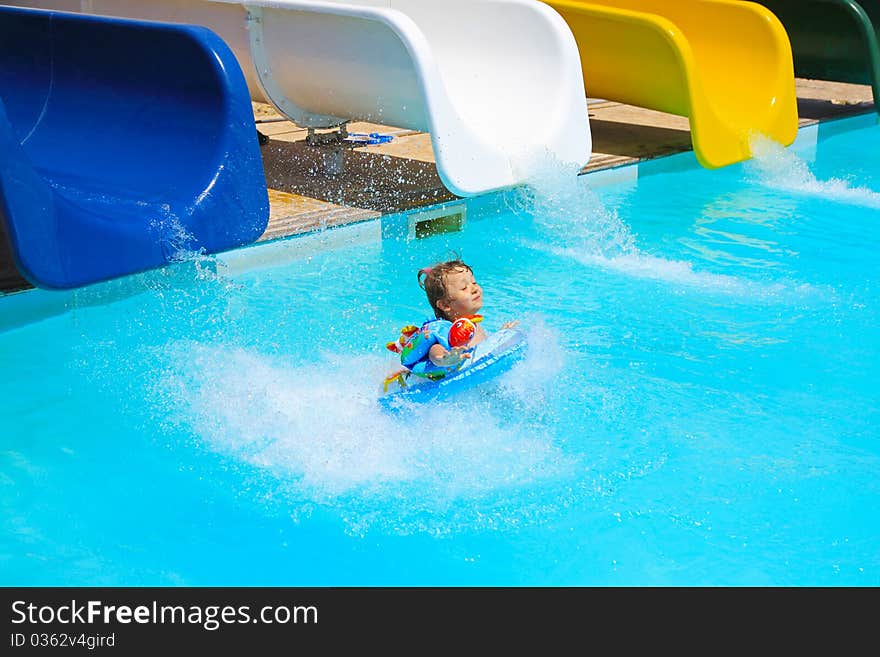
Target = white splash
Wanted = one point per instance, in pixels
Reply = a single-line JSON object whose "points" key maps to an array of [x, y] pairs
{"points": [[320, 432], [567, 210], [531, 379], [777, 167], [179, 245], [575, 223]]}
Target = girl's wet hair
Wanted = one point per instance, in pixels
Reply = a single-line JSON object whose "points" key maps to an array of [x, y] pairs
{"points": [[433, 281]]}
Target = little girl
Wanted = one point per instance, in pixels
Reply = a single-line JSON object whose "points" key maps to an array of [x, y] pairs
{"points": [[453, 293]]}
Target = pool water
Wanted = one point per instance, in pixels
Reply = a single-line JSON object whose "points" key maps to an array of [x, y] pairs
{"points": [[698, 404]]}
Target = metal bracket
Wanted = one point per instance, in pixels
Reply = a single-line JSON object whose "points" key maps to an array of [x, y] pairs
{"points": [[332, 146], [336, 136]]}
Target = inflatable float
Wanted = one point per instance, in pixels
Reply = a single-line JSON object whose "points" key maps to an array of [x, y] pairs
{"points": [[490, 358]]}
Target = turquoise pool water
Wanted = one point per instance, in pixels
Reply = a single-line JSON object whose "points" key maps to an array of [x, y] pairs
{"points": [[698, 404]]}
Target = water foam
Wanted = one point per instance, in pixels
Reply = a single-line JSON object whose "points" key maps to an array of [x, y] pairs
{"points": [[531, 379], [567, 211], [179, 245], [682, 274], [574, 223], [320, 442], [772, 165]]}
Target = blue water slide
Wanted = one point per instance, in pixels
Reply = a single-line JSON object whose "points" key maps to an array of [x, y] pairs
{"points": [[123, 145]]}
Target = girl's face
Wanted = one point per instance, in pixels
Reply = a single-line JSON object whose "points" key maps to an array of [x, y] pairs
{"points": [[463, 295]]}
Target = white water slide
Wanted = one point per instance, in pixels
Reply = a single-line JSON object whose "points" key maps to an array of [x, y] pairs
{"points": [[497, 83]]}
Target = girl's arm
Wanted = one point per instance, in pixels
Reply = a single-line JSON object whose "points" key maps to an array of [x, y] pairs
{"points": [[442, 357]]}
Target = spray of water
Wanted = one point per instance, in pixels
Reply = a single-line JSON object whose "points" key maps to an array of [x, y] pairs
{"points": [[531, 380], [774, 166], [568, 212], [573, 222], [179, 245], [431, 468]]}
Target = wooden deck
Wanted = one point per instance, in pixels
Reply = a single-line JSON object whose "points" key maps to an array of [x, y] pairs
{"points": [[311, 189]]}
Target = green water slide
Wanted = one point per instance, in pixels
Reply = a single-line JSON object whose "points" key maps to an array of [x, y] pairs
{"points": [[833, 40]]}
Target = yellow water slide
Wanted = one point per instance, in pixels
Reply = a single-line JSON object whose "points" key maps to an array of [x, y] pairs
{"points": [[724, 64]]}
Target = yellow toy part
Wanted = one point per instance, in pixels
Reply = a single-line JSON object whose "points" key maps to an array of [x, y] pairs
{"points": [[399, 377], [724, 64], [405, 333]]}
